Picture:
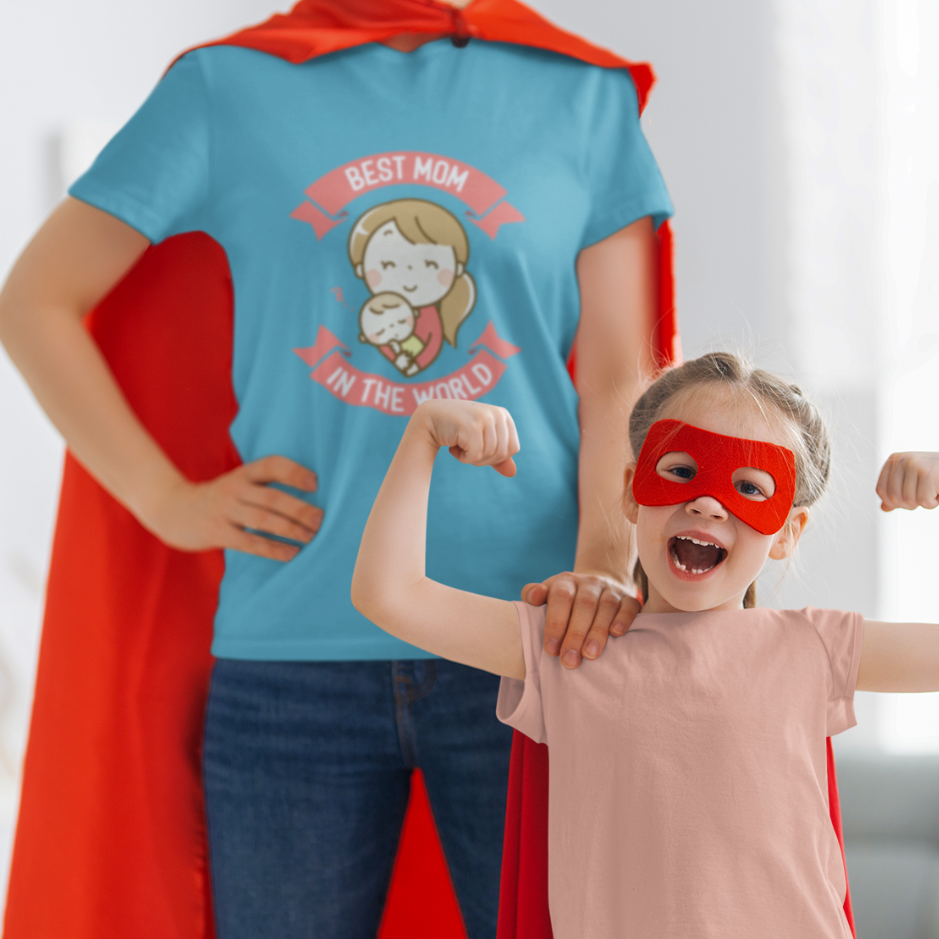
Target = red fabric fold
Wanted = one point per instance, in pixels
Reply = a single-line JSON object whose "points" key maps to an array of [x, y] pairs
{"points": [[110, 839]]}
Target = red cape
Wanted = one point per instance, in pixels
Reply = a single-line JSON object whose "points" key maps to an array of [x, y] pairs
{"points": [[110, 839]]}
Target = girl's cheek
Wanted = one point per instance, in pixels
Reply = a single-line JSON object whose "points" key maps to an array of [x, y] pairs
{"points": [[445, 276], [373, 278]]}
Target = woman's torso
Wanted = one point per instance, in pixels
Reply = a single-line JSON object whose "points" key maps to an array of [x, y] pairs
{"points": [[534, 155]]}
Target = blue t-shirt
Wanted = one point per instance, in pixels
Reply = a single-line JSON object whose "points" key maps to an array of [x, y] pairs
{"points": [[398, 226]]}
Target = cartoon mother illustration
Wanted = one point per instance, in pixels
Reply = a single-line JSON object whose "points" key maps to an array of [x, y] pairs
{"points": [[418, 251]]}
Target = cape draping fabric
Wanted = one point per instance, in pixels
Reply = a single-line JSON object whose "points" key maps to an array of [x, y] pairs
{"points": [[110, 838]]}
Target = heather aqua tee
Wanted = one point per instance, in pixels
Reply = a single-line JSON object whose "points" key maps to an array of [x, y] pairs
{"points": [[398, 227]]}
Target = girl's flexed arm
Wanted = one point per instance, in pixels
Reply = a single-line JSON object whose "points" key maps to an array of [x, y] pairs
{"points": [[389, 585]]}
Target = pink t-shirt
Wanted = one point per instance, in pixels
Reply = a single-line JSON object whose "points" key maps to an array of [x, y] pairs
{"points": [[688, 786]]}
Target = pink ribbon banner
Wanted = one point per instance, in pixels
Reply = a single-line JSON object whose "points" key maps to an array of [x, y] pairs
{"points": [[331, 193], [332, 369]]}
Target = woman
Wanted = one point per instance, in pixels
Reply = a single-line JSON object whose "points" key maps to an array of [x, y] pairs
{"points": [[315, 718]]}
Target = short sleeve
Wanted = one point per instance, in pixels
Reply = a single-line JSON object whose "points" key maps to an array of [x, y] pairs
{"points": [[842, 634], [624, 179], [519, 703], [154, 174]]}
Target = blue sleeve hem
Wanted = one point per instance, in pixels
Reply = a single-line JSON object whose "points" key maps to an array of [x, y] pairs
{"points": [[121, 206], [656, 204]]}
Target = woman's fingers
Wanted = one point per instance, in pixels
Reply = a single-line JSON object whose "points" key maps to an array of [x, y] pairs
{"points": [[237, 509], [250, 543], [261, 520], [583, 611], [276, 502], [280, 469]]}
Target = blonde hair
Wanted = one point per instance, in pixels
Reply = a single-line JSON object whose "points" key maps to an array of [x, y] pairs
{"points": [[423, 223], [811, 444]]}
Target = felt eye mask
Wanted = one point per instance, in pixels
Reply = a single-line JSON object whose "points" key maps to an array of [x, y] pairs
{"points": [[718, 457]]}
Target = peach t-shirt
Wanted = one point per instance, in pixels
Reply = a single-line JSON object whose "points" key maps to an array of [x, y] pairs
{"points": [[688, 781]]}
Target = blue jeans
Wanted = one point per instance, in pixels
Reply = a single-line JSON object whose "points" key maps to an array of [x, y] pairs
{"points": [[307, 768]]}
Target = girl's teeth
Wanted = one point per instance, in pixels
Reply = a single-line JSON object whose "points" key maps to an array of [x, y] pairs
{"points": [[682, 567], [709, 544]]}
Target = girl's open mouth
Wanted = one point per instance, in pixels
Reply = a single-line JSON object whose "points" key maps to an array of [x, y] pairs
{"points": [[694, 556]]}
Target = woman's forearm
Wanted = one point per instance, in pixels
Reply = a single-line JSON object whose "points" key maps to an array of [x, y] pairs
{"points": [[603, 541], [73, 384], [614, 358], [72, 262]]}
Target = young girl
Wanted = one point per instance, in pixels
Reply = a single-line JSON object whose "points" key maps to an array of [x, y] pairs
{"points": [[688, 773]]}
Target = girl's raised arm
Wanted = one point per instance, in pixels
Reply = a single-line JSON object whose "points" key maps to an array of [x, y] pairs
{"points": [[389, 585], [903, 656], [899, 657]]}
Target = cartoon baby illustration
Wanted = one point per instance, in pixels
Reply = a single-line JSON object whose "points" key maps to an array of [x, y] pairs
{"points": [[418, 251], [388, 320]]}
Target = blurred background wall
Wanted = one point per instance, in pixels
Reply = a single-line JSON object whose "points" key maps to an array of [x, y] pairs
{"points": [[800, 141]]}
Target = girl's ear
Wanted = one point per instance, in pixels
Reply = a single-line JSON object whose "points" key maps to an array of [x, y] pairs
{"points": [[359, 271], [630, 506], [785, 541], [459, 269]]}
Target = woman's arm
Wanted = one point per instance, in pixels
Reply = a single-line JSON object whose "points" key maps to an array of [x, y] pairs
{"points": [[899, 657], [615, 344], [389, 585], [69, 266]]}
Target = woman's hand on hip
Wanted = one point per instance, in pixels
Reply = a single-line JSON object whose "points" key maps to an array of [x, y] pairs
{"points": [[237, 510], [584, 610]]}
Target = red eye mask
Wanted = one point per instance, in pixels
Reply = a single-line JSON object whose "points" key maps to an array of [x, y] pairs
{"points": [[718, 457]]}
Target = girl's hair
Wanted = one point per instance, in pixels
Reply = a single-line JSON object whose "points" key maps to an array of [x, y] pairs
{"points": [[811, 445], [424, 223]]}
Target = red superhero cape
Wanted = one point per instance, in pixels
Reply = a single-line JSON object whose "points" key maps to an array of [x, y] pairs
{"points": [[110, 839]]}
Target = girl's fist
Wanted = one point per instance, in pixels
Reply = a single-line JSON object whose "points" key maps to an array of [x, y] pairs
{"points": [[479, 434], [909, 481]]}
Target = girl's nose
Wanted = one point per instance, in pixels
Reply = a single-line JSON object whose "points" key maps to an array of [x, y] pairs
{"points": [[707, 507]]}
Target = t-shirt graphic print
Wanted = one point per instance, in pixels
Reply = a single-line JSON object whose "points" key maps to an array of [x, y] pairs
{"points": [[412, 256]]}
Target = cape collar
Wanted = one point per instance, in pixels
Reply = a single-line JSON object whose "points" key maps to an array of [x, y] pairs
{"points": [[317, 27]]}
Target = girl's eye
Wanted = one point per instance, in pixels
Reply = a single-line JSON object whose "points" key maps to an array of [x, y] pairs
{"points": [[432, 264], [678, 466], [684, 473], [754, 484], [386, 264], [750, 490]]}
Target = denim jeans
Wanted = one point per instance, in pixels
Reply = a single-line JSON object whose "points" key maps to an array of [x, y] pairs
{"points": [[307, 768]]}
